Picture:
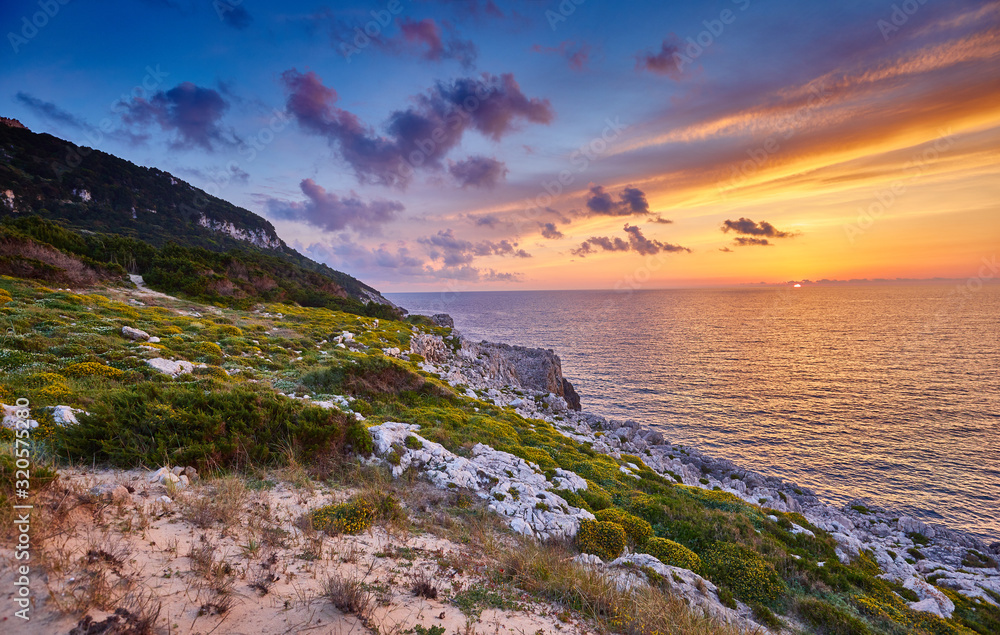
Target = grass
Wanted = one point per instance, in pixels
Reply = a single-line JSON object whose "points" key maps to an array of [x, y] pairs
{"points": [[240, 428]]}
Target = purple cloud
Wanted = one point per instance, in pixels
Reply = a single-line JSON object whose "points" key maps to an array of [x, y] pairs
{"points": [[427, 34], [419, 137], [753, 234], [330, 212], [667, 61], [192, 112], [453, 251], [636, 242], [478, 171], [51, 111], [632, 202], [748, 227], [550, 231]]}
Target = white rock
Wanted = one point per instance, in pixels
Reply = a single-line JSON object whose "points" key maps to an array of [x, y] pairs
{"points": [[135, 334], [65, 416], [931, 600], [154, 340], [172, 368]]}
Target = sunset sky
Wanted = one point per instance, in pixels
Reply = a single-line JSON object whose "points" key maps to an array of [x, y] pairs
{"points": [[474, 144]]}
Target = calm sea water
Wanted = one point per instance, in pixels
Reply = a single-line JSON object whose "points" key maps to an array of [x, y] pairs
{"points": [[886, 393]]}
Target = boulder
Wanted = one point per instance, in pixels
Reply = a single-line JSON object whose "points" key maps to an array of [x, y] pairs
{"points": [[443, 319], [135, 334], [172, 368]]}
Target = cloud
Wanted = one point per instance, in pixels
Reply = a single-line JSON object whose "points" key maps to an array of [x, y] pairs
{"points": [[330, 212], [749, 241], [752, 234], [487, 220], [577, 54], [52, 112], [747, 227], [426, 34], [192, 112], [550, 231], [662, 221], [726, 250], [232, 13], [453, 251], [636, 242], [632, 202], [419, 137], [478, 171], [667, 61]]}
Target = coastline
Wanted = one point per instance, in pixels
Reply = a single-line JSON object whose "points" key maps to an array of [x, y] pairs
{"points": [[908, 551]]}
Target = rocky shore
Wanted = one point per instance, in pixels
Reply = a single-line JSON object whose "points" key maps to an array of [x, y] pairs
{"points": [[916, 554]]}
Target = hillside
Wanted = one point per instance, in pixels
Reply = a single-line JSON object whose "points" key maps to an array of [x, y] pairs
{"points": [[331, 467], [91, 191]]}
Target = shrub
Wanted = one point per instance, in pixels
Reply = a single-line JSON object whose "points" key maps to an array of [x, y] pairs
{"points": [[413, 443], [636, 529], [765, 616], [829, 619], [743, 570], [93, 369], [603, 539], [369, 375], [672, 553], [165, 424], [352, 517], [595, 496], [357, 514]]}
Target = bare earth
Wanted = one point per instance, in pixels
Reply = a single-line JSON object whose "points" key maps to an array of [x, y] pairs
{"points": [[221, 558]]}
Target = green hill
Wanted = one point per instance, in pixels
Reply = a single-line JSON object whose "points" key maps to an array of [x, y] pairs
{"points": [[149, 222]]}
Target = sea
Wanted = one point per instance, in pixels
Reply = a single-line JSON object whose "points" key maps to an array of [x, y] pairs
{"points": [[885, 393]]}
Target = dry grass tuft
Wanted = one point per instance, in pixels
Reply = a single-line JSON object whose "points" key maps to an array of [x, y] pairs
{"points": [[349, 595], [423, 585]]}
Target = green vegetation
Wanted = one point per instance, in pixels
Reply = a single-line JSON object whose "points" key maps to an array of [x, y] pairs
{"points": [[751, 577], [65, 348], [238, 278], [356, 515], [669, 552], [636, 529], [48, 175], [605, 540]]}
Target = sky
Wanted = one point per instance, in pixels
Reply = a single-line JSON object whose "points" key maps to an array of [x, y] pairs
{"points": [[428, 145]]}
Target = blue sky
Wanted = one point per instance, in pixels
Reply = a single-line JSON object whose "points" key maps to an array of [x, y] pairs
{"points": [[262, 104]]}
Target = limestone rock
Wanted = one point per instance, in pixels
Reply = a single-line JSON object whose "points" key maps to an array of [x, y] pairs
{"points": [[172, 368], [135, 334], [443, 319]]}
